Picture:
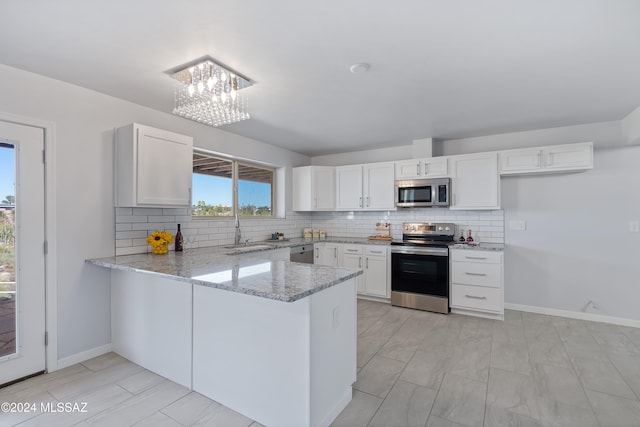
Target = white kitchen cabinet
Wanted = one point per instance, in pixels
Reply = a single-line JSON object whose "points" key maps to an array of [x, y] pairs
{"points": [[153, 167], [365, 187], [433, 167], [349, 187], [376, 271], [326, 254], [475, 183], [313, 188], [378, 186], [476, 286], [350, 256], [555, 158]]}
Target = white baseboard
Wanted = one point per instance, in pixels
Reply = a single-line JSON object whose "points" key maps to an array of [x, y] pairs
{"points": [[84, 355], [574, 315]]}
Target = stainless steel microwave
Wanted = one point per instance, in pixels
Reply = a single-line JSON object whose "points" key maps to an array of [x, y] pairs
{"points": [[420, 193]]}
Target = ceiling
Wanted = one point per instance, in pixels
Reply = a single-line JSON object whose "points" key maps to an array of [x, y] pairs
{"points": [[441, 69]]}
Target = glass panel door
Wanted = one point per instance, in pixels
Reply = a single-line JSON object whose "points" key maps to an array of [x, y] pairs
{"points": [[7, 250]]}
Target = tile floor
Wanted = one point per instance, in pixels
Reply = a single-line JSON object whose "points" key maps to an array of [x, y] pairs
{"points": [[425, 369], [415, 369]]}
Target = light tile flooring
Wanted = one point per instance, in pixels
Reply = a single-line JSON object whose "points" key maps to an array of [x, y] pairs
{"points": [[415, 369]]}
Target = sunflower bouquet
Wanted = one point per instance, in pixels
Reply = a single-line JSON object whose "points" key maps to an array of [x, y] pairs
{"points": [[159, 241]]}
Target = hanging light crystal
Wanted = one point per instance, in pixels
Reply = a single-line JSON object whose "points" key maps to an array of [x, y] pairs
{"points": [[209, 93]]}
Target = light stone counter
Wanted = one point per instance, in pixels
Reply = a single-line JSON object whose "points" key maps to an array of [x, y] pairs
{"points": [[251, 272], [481, 247]]}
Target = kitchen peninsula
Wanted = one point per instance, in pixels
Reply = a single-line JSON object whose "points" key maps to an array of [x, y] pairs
{"points": [[271, 339]]}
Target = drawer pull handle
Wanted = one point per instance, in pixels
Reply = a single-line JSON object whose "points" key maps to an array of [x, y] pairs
{"points": [[475, 274], [352, 250], [475, 297], [475, 257]]}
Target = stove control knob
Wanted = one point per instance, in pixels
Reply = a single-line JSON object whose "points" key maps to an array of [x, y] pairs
{"points": [[447, 228], [439, 228]]}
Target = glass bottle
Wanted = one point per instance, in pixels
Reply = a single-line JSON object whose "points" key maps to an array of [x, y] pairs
{"points": [[461, 239], [469, 238], [179, 240]]}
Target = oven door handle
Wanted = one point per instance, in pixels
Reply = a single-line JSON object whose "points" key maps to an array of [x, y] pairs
{"points": [[421, 251]]}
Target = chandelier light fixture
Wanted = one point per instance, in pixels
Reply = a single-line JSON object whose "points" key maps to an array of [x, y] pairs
{"points": [[207, 92]]}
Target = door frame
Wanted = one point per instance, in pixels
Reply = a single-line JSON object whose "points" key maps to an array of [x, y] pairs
{"points": [[51, 264]]}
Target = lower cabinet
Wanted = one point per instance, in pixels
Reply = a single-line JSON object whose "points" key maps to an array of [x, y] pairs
{"points": [[477, 282], [326, 254], [374, 261]]}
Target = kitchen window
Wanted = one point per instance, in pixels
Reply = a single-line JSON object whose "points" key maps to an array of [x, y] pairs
{"points": [[221, 186]]}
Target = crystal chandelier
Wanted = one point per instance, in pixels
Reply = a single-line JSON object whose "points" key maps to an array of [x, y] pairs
{"points": [[207, 93]]}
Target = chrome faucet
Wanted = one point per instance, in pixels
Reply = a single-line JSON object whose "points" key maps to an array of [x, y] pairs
{"points": [[238, 232]]}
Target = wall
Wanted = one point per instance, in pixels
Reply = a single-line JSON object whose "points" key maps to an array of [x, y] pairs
{"points": [[134, 224], [84, 122], [577, 246], [485, 226]]}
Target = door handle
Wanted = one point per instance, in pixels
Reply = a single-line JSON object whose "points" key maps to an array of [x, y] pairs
{"points": [[335, 252], [367, 201], [418, 169], [475, 297], [360, 202], [360, 262], [367, 262]]}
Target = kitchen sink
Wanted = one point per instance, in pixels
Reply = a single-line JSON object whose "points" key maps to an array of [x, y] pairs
{"points": [[235, 250]]}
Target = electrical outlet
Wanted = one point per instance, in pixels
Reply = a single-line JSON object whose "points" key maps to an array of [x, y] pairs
{"points": [[634, 226], [518, 224]]}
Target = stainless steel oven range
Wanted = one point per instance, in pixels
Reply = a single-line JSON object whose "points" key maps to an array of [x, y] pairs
{"points": [[420, 266]]}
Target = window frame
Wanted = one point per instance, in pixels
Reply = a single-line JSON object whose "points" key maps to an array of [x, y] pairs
{"points": [[234, 186]]}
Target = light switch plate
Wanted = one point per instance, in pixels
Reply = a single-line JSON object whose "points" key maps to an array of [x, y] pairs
{"points": [[518, 224]]}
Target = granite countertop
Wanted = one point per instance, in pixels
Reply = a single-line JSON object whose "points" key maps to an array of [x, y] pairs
{"points": [[297, 241], [252, 272], [480, 247]]}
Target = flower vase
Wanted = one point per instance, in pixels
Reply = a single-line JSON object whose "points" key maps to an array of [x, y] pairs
{"points": [[162, 248]]}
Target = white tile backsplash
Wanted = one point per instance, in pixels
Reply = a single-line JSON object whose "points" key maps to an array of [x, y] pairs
{"points": [[134, 224]]}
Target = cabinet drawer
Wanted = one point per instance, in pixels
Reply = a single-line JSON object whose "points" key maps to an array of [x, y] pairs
{"points": [[352, 249], [376, 250], [477, 274], [479, 256], [475, 297]]}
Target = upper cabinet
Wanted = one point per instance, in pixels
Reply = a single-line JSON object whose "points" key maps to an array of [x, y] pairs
{"points": [[555, 158], [314, 188], [153, 167], [434, 167], [475, 183], [365, 187]]}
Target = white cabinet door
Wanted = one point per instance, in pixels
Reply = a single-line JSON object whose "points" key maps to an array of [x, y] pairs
{"points": [[555, 158], [349, 187], [475, 181], [351, 257], [379, 186], [569, 157], [526, 160], [435, 167], [313, 188], [408, 169], [375, 275], [140, 181], [326, 254], [324, 187]]}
